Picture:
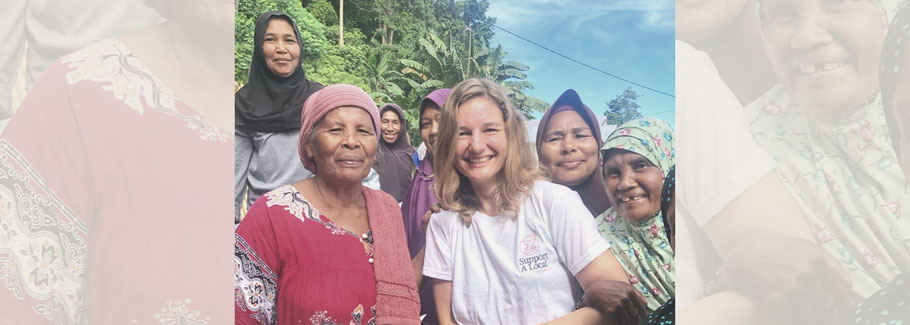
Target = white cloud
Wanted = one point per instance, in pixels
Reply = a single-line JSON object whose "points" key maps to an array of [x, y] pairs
{"points": [[657, 21], [654, 15]]}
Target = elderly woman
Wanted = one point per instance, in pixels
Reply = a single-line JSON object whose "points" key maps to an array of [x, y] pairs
{"points": [[825, 125], [393, 162], [637, 157], [327, 249], [267, 112], [509, 248], [568, 146]]}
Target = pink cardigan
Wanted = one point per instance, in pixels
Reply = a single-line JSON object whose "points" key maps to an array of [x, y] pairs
{"points": [[397, 300]]}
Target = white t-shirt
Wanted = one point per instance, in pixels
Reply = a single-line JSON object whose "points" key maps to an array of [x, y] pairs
{"points": [[717, 160], [515, 270]]}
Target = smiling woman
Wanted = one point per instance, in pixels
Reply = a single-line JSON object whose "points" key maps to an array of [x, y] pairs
{"points": [[637, 157], [267, 112], [568, 145], [280, 47], [510, 248], [825, 126], [298, 235], [393, 162]]}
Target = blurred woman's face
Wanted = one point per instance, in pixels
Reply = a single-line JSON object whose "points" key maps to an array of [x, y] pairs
{"points": [[391, 126], [633, 184], [825, 52], [697, 20], [568, 149], [280, 47], [344, 145], [429, 126]]}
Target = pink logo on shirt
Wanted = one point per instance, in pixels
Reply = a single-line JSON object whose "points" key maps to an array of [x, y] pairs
{"points": [[529, 245]]}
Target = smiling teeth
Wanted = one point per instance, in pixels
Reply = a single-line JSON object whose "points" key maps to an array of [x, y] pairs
{"points": [[809, 68], [634, 198], [479, 160]]}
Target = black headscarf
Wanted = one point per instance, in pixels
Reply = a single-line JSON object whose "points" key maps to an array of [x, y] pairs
{"points": [[892, 52], [665, 195], [393, 163], [268, 102]]}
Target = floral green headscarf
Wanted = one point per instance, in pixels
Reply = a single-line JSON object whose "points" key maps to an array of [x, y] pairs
{"points": [[643, 248], [647, 137]]}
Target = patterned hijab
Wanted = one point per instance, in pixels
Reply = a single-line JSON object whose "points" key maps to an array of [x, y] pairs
{"points": [[846, 173], [643, 248]]}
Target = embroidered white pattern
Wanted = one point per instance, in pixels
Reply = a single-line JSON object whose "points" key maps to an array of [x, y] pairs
{"points": [[42, 243], [288, 197], [111, 63], [177, 312], [255, 284]]}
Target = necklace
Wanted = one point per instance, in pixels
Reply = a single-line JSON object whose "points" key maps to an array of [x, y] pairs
{"points": [[367, 238]]}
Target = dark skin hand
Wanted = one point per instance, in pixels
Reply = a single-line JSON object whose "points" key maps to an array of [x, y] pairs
{"points": [[426, 216], [616, 299], [791, 276]]}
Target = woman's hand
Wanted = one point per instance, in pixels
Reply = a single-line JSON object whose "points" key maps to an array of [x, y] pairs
{"points": [[788, 275], [616, 300], [434, 208]]}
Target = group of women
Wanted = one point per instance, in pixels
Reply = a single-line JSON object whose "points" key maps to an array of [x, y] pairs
{"points": [[483, 234]]}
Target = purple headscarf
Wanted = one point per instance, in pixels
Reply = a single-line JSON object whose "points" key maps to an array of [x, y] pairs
{"points": [[420, 194], [416, 202]]}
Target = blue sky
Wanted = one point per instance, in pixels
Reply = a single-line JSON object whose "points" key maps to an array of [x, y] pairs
{"points": [[629, 38]]}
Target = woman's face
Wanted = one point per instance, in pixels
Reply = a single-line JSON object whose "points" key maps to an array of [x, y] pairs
{"points": [[480, 148], [429, 125], [901, 108], [282, 52], [391, 126], [697, 20], [633, 184], [825, 52], [569, 149], [344, 145]]}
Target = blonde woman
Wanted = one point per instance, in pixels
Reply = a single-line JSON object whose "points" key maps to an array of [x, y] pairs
{"points": [[509, 247]]}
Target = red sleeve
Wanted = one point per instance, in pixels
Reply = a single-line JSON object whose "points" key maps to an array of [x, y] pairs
{"points": [[256, 267], [45, 200]]}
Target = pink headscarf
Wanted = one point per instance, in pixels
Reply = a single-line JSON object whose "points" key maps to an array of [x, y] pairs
{"points": [[324, 101], [397, 300]]}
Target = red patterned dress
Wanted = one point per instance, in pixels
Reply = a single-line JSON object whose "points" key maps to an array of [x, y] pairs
{"points": [[294, 266], [113, 200]]}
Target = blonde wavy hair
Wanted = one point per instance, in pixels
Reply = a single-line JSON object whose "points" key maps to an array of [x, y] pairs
{"points": [[520, 169]]}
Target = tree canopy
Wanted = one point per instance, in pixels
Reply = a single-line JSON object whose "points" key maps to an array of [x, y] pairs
{"points": [[623, 108]]}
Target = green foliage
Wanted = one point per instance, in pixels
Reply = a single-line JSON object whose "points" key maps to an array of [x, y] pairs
{"points": [[323, 11], [339, 65], [623, 108]]}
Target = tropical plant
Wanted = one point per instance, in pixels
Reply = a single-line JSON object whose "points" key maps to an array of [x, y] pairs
{"points": [[623, 108]]}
